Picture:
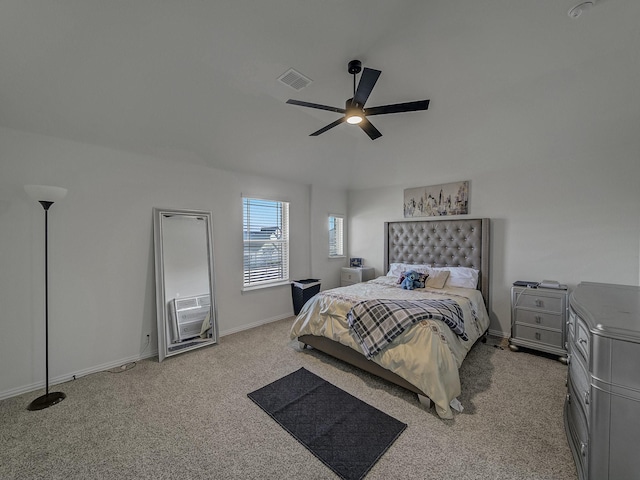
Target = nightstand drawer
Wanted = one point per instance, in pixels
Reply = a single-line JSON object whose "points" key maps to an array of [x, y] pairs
{"points": [[539, 335], [539, 319], [350, 276], [536, 299]]}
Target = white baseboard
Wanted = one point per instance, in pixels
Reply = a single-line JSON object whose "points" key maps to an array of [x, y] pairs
{"points": [[254, 324], [498, 333], [117, 363], [75, 375]]}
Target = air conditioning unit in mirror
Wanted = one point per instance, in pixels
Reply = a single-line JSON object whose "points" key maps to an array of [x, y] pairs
{"points": [[188, 315]]}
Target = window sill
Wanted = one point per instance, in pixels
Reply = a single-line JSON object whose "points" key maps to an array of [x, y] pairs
{"points": [[266, 285], [338, 256]]}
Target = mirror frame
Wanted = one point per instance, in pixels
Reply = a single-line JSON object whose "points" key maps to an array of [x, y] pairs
{"points": [[162, 313]]}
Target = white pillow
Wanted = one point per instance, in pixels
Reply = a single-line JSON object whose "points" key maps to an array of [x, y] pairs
{"points": [[464, 277], [419, 267], [396, 269]]}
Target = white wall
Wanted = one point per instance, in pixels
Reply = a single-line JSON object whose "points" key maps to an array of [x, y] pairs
{"points": [[102, 284], [569, 219], [326, 201]]}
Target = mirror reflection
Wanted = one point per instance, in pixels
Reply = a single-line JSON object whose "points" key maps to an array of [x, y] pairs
{"points": [[184, 280]]}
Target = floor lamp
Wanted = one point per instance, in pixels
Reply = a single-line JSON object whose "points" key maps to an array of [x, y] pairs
{"points": [[46, 195]]}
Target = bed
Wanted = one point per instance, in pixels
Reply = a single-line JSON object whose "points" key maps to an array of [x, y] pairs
{"points": [[426, 357]]}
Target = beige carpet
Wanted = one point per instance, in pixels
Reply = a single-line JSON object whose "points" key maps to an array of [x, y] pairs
{"points": [[190, 418]]}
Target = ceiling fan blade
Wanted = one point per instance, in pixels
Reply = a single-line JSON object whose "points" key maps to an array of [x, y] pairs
{"points": [[398, 108], [316, 105], [328, 127], [369, 129], [367, 82]]}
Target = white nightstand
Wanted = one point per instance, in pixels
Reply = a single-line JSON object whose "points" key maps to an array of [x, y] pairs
{"points": [[351, 275]]}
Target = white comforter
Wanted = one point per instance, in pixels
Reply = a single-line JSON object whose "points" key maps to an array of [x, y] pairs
{"points": [[427, 355]]}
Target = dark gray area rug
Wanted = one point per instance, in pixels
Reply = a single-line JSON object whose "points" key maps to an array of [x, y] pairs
{"points": [[345, 433]]}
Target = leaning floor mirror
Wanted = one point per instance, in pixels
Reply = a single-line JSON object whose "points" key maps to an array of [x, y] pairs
{"points": [[185, 302]]}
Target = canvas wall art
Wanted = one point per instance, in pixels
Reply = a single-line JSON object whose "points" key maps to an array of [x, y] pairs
{"points": [[437, 200]]}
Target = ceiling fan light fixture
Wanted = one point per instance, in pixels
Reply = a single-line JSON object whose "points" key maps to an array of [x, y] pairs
{"points": [[354, 112], [578, 9]]}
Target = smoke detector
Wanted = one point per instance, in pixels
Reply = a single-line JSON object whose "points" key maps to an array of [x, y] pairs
{"points": [[577, 10]]}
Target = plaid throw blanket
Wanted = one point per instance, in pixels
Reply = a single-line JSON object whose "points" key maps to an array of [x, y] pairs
{"points": [[377, 322]]}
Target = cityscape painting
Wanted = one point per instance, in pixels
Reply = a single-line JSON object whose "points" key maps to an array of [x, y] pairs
{"points": [[437, 200]]}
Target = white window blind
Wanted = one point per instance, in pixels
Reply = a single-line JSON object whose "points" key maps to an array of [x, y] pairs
{"points": [[336, 236], [266, 241]]}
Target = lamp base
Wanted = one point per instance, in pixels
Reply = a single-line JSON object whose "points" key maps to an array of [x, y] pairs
{"points": [[45, 401]]}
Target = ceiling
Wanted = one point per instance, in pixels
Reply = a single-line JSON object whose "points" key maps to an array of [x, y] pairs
{"points": [[196, 81]]}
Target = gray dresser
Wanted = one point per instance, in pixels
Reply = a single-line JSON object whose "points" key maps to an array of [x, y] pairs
{"points": [[602, 410]]}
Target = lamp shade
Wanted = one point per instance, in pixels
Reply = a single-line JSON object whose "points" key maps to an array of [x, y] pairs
{"points": [[45, 193]]}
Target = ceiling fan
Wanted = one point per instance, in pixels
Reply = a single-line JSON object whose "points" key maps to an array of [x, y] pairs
{"points": [[354, 111]]}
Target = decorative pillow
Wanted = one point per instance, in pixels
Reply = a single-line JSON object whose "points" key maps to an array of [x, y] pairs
{"points": [[464, 277], [437, 278]]}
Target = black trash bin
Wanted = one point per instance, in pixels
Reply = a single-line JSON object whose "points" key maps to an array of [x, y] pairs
{"points": [[302, 291]]}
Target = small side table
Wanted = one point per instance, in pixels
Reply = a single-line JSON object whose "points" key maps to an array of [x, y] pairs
{"points": [[352, 275], [538, 320]]}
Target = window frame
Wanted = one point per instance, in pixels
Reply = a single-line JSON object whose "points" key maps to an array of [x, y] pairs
{"points": [[341, 231], [279, 237]]}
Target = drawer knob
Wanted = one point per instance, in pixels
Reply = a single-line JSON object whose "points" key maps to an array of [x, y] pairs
{"points": [[582, 340], [539, 303], [538, 335], [569, 359], [568, 398], [583, 449], [538, 319], [586, 398]]}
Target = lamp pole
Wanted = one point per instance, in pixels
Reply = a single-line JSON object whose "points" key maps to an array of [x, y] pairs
{"points": [[39, 192], [46, 206]]}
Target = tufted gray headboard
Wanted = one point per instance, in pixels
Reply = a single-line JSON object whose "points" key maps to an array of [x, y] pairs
{"points": [[441, 243]]}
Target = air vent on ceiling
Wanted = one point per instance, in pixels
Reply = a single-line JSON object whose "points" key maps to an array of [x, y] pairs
{"points": [[294, 79]]}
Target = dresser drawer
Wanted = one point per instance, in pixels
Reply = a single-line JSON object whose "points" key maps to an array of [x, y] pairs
{"points": [[581, 382], [579, 432], [539, 319], [571, 325], [533, 299], [539, 335], [581, 340]]}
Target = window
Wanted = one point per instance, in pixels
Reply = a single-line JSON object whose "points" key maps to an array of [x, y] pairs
{"points": [[336, 236], [265, 226]]}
